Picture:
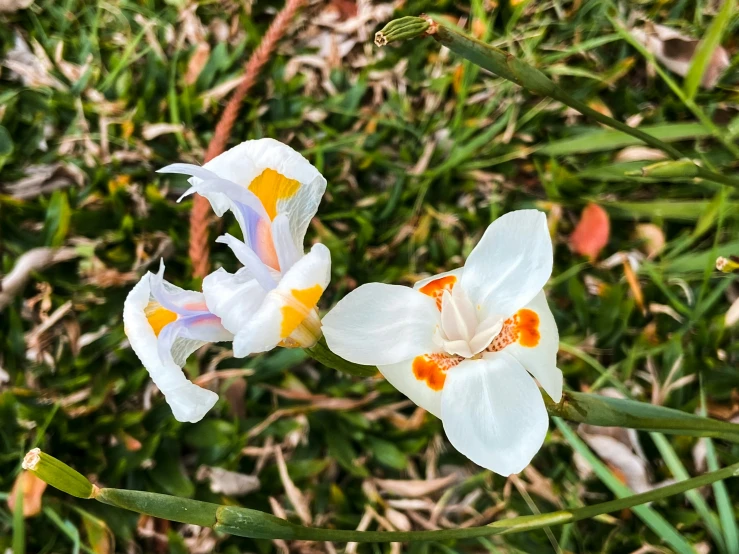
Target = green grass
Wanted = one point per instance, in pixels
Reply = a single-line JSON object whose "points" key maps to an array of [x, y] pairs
{"points": [[81, 395]]}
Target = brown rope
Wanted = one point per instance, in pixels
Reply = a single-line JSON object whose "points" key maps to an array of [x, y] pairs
{"points": [[199, 243]]}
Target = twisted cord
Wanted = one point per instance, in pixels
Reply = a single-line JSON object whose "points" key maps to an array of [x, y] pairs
{"points": [[199, 243]]}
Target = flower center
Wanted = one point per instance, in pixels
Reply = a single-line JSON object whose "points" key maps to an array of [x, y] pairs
{"points": [[461, 333]]}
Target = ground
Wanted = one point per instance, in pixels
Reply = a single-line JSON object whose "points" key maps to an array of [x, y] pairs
{"points": [[421, 152]]}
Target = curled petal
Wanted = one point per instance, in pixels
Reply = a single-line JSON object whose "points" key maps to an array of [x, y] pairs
{"points": [[493, 413], [234, 297], [286, 307], [282, 179], [173, 298], [510, 265], [188, 401]]}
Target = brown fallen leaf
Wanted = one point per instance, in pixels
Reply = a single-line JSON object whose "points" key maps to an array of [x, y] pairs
{"points": [[35, 259], [14, 5], [591, 233], [675, 51], [197, 62], [652, 237], [32, 488], [230, 483], [44, 178], [294, 494], [414, 488]]}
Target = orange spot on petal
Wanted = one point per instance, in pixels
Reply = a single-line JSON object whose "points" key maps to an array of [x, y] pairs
{"points": [[527, 327], [436, 288], [432, 369], [522, 328]]}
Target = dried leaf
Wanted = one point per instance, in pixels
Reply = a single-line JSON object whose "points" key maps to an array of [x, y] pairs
{"points": [[652, 237], [591, 233], [294, 494], [732, 315], [32, 488], [14, 5], [35, 259], [227, 482], [639, 153], [45, 178], [676, 50], [197, 62], [414, 488]]}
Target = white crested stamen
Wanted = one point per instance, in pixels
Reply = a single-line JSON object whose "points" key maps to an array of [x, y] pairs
{"points": [[460, 332]]}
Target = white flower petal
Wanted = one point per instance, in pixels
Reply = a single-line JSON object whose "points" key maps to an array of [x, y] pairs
{"points": [[541, 359], [285, 249], [378, 324], [188, 401], [285, 307], [234, 297], [510, 264], [493, 413], [295, 190]]}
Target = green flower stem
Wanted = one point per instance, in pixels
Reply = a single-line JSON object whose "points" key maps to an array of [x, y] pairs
{"points": [[594, 409], [245, 522], [321, 353], [513, 69], [588, 408]]}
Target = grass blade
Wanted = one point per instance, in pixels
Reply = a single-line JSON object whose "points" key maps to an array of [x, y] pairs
{"points": [[608, 139], [648, 515], [706, 48], [678, 471]]}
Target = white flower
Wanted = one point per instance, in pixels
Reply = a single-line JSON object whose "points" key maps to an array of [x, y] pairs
{"points": [[460, 344], [164, 325], [274, 192]]}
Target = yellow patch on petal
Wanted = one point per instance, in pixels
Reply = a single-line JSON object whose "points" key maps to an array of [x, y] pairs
{"points": [[436, 288], [432, 369], [158, 316], [271, 187], [293, 313]]}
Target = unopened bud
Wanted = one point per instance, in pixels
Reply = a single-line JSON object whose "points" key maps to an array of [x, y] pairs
{"points": [[727, 265], [403, 28], [58, 474]]}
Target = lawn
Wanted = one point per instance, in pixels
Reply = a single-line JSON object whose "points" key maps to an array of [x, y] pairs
{"points": [[422, 151]]}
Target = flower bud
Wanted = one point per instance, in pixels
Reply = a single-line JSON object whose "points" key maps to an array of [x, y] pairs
{"points": [[401, 29], [667, 170], [58, 474]]}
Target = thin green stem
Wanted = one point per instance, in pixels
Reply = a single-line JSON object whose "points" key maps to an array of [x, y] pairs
{"points": [[513, 69], [245, 522]]}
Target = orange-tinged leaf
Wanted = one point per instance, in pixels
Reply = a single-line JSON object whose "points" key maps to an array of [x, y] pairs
{"points": [[32, 488], [592, 231]]}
